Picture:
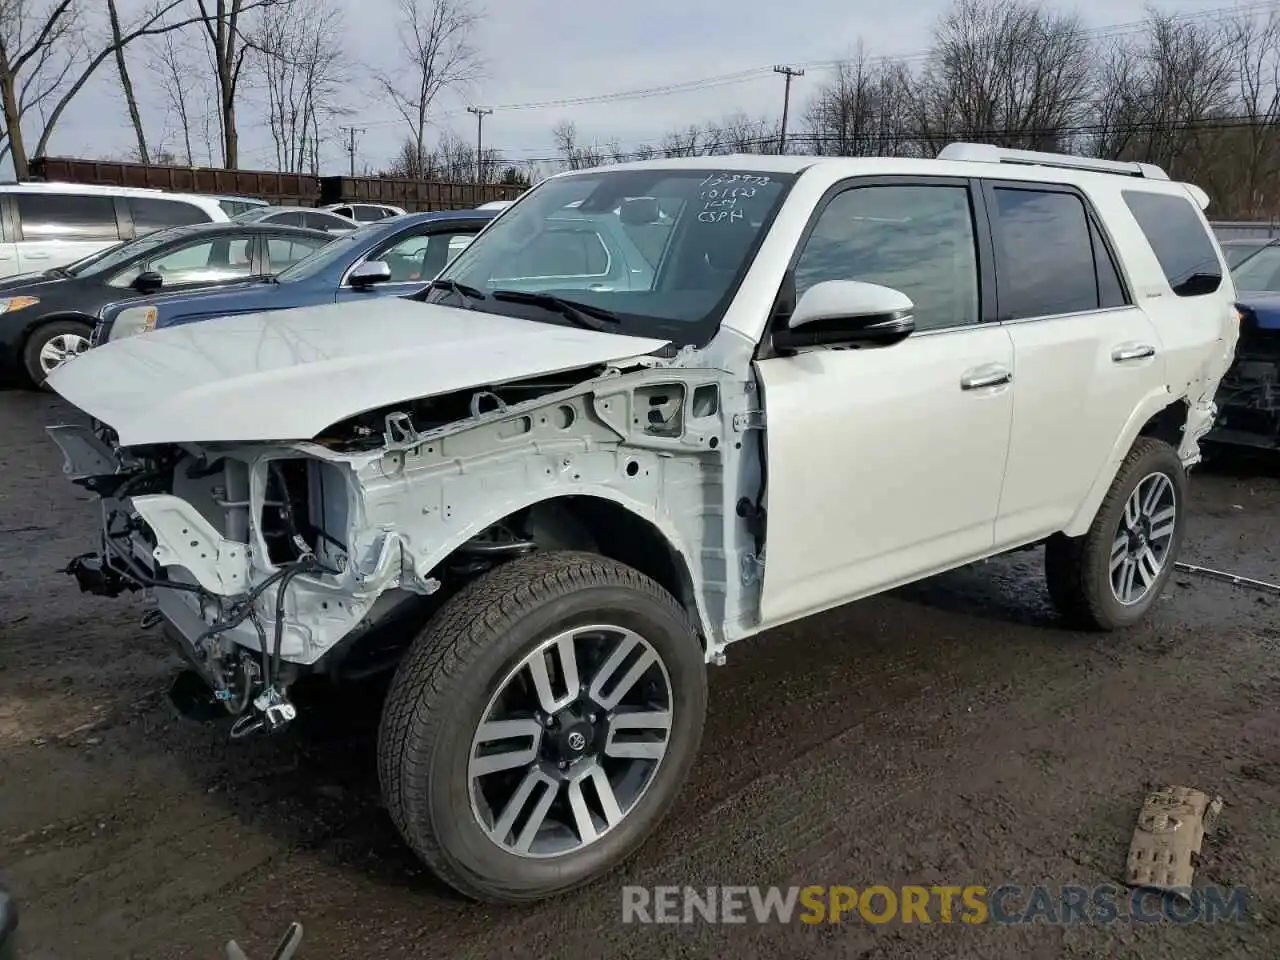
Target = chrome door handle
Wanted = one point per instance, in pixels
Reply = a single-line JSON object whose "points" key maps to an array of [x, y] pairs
{"points": [[1132, 351], [988, 375]]}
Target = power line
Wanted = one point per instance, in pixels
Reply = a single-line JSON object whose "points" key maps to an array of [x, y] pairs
{"points": [[650, 150]]}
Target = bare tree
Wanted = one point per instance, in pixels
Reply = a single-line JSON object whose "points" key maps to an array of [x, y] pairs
{"points": [[302, 69], [435, 38], [228, 27], [452, 159], [1253, 146], [168, 63], [864, 111], [574, 154], [1006, 72]]}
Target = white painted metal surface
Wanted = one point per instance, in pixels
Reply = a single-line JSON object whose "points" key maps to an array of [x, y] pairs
{"points": [[288, 374]]}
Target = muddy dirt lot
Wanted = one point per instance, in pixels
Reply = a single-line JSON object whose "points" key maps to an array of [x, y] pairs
{"points": [[951, 733]]}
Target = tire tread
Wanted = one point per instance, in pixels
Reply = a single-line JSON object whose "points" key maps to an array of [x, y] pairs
{"points": [[427, 678]]}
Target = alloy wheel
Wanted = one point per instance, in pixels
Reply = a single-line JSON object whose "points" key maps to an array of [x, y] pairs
{"points": [[570, 742], [1144, 538]]}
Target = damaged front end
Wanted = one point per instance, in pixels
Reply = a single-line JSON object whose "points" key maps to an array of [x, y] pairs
{"points": [[1249, 396], [244, 552], [270, 559]]}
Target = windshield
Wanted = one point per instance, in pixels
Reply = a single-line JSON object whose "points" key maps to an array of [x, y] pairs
{"points": [[664, 249], [122, 253], [1260, 272], [1238, 253], [332, 252]]}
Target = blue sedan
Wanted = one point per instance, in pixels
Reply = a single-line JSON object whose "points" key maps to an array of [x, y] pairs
{"points": [[393, 257]]}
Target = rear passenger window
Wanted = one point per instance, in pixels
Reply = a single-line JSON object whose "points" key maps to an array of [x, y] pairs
{"points": [[67, 216], [1110, 287], [1045, 261], [918, 240], [1179, 240], [153, 214]]}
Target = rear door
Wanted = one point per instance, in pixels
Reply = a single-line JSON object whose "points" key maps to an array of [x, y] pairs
{"points": [[1085, 357], [59, 228], [201, 261], [284, 251]]}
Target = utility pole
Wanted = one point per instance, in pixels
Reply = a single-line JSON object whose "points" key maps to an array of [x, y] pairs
{"points": [[787, 72], [481, 113], [351, 145]]}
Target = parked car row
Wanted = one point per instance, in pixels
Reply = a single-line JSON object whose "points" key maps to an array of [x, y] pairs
{"points": [[76, 257]]}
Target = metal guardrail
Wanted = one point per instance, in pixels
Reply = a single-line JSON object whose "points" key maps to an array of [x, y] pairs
{"points": [[1245, 229]]}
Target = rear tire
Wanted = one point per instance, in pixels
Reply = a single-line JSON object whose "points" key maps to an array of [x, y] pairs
{"points": [[1086, 575], [52, 344], [479, 662]]}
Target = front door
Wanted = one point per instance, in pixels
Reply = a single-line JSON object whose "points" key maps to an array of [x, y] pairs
{"points": [[414, 259], [885, 464]]}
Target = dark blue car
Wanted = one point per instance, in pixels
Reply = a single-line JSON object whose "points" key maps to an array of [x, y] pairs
{"points": [[393, 257], [1249, 397]]}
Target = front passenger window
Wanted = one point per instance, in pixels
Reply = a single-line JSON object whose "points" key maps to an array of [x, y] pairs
{"points": [[916, 239]]}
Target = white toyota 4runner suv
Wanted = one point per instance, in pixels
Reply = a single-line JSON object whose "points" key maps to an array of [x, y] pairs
{"points": [[651, 410]]}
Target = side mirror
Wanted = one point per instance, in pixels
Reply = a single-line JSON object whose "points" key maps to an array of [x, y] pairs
{"points": [[847, 313], [369, 273], [148, 282], [639, 211]]}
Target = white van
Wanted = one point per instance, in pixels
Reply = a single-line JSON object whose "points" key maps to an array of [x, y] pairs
{"points": [[45, 225]]}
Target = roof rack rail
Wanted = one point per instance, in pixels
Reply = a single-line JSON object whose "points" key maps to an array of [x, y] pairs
{"points": [[987, 153]]}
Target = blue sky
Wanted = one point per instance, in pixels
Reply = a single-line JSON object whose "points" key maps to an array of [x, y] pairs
{"points": [[582, 48]]}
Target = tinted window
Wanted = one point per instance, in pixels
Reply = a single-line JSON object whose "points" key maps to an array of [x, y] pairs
{"points": [[291, 218], [1044, 254], [284, 253], [1111, 291], [1238, 253], [917, 240], [156, 214], [323, 221], [342, 211], [367, 214], [421, 258], [207, 261], [1172, 226], [67, 216], [1260, 273]]}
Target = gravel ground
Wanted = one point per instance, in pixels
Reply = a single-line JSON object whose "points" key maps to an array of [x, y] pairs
{"points": [[950, 733]]}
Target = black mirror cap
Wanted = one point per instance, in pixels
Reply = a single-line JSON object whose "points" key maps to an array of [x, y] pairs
{"points": [[872, 331], [148, 282]]}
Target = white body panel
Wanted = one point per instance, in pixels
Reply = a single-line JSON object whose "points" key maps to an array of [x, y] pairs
{"points": [[288, 374], [881, 467], [1071, 402], [37, 254]]}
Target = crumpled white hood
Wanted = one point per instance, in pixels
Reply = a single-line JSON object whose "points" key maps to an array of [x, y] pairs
{"points": [[289, 374]]}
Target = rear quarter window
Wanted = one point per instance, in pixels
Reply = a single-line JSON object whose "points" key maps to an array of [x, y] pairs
{"points": [[1187, 254]]}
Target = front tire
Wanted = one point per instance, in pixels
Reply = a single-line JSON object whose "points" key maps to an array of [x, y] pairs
{"points": [[51, 345], [1112, 576], [541, 725]]}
